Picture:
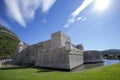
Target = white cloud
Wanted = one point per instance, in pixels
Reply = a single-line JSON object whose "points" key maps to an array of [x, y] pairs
{"points": [[14, 11], [47, 4], [22, 10], [70, 21], [79, 18], [77, 12], [28, 8], [82, 7]]}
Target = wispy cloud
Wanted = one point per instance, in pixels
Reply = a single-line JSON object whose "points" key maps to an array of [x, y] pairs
{"points": [[79, 18], [23, 10], [72, 18], [14, 11], [46, 4]]}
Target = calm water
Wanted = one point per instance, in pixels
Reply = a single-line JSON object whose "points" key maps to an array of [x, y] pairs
{"points": [[89, 66]]}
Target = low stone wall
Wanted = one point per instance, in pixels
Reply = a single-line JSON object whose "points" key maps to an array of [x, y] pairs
{"points": [[92, 57]]}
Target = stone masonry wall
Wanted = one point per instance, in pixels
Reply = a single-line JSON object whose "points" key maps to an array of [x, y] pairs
{"points": [[76, 58], [92, 56], [57, 58], [60, 58]]}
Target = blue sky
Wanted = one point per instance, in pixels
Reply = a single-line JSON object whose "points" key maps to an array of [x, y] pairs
{"points": [[33, 21]]}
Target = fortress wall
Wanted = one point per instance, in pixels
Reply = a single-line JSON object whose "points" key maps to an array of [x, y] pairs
{"points": [[76, 58], [60, 58], [46, 44], [57, 58], [33, 53], [58, 39], [92, 56], [27, 56], [55, 40], [21, 57], [21, 51], [64, 39], [55, 53]]}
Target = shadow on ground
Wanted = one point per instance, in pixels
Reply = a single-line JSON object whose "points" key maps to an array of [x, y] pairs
{"points": [[39, 70], [44, 70], [12, 68]]}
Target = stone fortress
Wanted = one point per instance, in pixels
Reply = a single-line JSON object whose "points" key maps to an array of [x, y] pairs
{"points": [[58, 53]]}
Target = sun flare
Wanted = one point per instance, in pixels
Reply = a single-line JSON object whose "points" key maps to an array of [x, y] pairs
{"points": [[101, 5]]}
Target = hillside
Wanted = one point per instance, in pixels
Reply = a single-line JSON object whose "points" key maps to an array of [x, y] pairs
{"points": [[8, 43], [110, 51]]}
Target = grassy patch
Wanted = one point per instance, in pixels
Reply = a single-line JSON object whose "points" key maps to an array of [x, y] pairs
{"points": [[111, 72]]}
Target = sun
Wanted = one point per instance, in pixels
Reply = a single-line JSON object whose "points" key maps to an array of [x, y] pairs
{"points": [[102, 5]]}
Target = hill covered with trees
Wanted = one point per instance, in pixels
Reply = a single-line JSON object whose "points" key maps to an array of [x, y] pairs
{"points": [[8, 43]]}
